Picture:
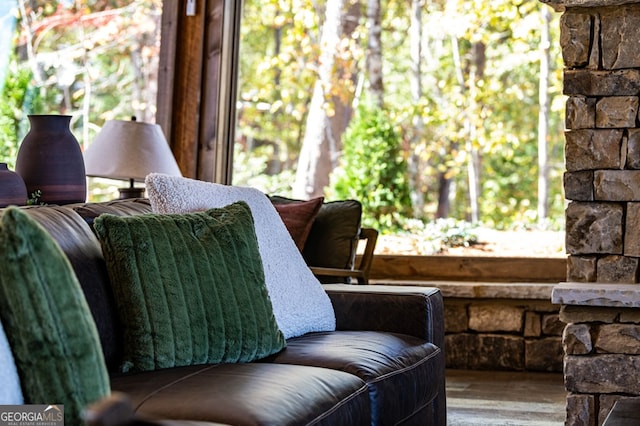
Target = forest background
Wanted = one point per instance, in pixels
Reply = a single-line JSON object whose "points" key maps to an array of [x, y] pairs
{"points": [[439, 115]]}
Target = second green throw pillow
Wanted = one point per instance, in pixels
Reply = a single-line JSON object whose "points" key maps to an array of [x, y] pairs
{"points": [[189, 288]]}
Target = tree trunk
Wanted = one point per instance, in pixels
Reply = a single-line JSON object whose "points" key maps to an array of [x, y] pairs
{"points": [[543, 118], [415, 173], [374, 52], [474, 162], [343, 106], [325, 123], [444, 196], [469, 130]]}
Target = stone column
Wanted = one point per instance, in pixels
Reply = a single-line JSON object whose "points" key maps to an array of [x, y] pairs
{"points": [[601, 51]]}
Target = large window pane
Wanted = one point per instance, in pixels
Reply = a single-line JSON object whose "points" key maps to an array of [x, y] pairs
{"points": [[458, 82]]}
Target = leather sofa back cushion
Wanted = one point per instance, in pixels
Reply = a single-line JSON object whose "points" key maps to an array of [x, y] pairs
{"points": [[126, 207], [189, 288], [333, 238], [48, 323]]}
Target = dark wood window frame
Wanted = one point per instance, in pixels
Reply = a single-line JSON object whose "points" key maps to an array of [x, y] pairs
{"points": [[197, 86]]}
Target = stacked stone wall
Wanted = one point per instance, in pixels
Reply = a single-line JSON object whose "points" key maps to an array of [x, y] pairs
{"points": [[602, 347], [601, 50], [515, 335]]}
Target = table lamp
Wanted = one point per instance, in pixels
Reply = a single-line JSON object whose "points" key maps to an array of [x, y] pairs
{"points": [[129, 150]]}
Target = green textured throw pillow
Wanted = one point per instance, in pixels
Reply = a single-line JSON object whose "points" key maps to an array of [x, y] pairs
{"points": [[189, 287], [47, 321]]}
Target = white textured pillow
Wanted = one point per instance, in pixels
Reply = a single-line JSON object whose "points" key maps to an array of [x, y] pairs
{"points": [[10, 389], [300, 304]]}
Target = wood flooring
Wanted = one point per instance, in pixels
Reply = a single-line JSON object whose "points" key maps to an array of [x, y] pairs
{"points": [[490, 398]]}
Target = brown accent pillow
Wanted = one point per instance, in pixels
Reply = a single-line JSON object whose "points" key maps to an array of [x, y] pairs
{"points": [[299, 217]]}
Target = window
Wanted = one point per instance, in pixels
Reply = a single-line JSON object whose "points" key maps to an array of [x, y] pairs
{"points": [[461, 91], [93, 60]]}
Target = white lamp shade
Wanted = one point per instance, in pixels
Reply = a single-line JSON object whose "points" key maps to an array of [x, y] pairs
{"points": [[129, 150]]}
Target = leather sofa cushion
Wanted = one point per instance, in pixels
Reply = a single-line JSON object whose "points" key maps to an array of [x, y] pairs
{"points": [[249, 394], [387, 362]]}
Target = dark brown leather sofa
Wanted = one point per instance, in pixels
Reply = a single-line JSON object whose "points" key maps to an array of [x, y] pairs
{"points": [[384, 365]]}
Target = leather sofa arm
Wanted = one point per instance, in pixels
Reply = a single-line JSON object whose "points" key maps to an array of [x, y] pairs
{"points": [[416, 311]]}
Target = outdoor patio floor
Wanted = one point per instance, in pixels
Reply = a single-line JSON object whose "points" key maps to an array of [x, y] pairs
{"points": [[495, 398]]}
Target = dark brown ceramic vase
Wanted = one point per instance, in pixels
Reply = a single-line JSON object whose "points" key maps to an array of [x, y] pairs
{"points": [[50, 160], [12, 189]]}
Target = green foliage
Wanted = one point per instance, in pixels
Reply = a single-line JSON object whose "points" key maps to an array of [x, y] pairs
{"points": [[251, 170], [19, 96], [488, 106], [278, 49], [373, 170], [92, 60], [453, 233], [439, 235], [35, 198]]}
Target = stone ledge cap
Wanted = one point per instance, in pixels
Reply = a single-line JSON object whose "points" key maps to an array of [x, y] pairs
{"points": [[481, 290], [597, 294], [561, 5]]}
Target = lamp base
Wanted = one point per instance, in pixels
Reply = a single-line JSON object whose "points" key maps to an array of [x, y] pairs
{"points": [[131, 193]]}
